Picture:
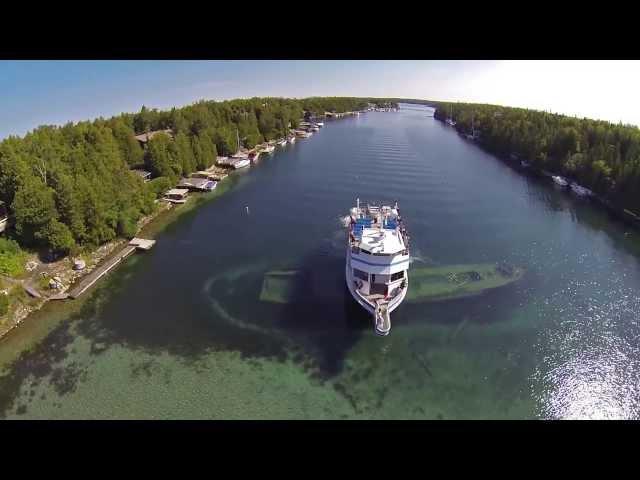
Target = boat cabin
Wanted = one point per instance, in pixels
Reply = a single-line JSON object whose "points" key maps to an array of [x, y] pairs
{"points": [[379, 251]]}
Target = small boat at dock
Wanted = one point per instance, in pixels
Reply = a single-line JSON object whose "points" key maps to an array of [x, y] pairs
{"points": [[291, 139], [561, 181], [241, 163], [239, 156], [580, 190], [282, 142], [268, 149]]}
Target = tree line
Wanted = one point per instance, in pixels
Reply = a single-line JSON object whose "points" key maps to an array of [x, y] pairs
{"points": [[72, 186], [597, 154]]}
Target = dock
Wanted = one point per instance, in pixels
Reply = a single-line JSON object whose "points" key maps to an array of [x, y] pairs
{"points": [[31, 291], [142, 243], [86, 282]]}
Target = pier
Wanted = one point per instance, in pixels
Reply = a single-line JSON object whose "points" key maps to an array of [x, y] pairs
{"points": [[88, 281]]}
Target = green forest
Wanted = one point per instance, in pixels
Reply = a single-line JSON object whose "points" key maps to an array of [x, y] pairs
{"points": [[70, 187], [599, 155]]}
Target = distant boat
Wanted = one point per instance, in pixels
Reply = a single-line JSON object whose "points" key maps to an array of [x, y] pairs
{"points": [[450, 120], [320, 124], [580, 190], [238, 163], [560, 180], [524, 164], [282, 142], [291, 139], [267, 149]]}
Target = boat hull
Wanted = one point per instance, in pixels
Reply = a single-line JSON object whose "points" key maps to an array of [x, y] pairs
{"points": [[368, 306]]}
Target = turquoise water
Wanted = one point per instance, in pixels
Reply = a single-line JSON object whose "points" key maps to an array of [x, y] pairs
{"points": [[179, 332]]}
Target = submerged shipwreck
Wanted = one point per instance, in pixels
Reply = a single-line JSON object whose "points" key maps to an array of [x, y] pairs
{"points": [[317, 285], [428, 284]]}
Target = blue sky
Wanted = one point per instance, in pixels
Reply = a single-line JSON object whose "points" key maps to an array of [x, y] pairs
{"points": [[33, 93]]}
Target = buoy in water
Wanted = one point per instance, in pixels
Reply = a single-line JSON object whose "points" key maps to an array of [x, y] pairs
{"points": [[247, 208]]}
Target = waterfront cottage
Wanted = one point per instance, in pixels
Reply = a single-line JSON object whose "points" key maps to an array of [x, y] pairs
{"points": [[209, 175], [199, 184], [176, 195], [146, 176], [143, 138]]}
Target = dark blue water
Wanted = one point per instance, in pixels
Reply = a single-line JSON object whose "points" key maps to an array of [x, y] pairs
{"points": [[180, 332]]}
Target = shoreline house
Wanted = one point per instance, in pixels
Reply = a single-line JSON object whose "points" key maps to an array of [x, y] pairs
{"points": [[143, 138], [198, 184], [215, 177], [176, 195], [146, 176]]}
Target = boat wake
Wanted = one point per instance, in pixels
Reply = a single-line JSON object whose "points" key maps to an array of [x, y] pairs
{"points": [[421, 259]]}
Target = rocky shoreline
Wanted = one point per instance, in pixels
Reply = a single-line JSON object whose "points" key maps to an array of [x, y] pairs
{"points": [[61, 273]]}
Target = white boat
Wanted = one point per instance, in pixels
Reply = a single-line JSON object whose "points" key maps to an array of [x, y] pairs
{"points": [[267, 149], [241, 163], [450, 120], [320, 124], [292, 139], [560, 181], [377, 261], [580, 190], [282, 142], [303, 134]]}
